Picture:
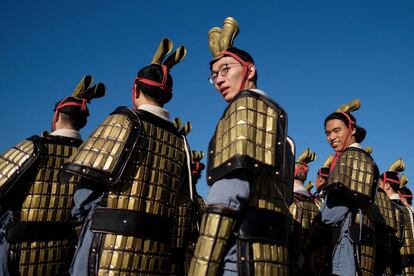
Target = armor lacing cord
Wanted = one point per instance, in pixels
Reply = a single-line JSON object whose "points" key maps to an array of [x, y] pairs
{"points": [[63, 104], [245, 65]]}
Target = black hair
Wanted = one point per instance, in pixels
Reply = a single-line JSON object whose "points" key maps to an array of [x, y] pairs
{"points": [[73, 114], [393, 175], [154, 72], [245, 56], [360, 132], [405, 191]]}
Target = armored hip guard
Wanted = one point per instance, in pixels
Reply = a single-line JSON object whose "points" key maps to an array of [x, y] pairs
{"points": [[388, 235], [303, 210], [405, 215], [141, 160], [41, 236], [251, 135]]}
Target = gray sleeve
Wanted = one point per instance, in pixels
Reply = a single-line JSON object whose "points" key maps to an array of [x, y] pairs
{"points": [[232, 192], [334, 209], [85, 198]]}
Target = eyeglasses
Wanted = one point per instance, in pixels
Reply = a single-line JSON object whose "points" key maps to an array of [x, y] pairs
{"points": [[222, 71]]}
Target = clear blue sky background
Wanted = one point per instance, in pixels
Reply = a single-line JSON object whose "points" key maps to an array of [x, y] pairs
{"points": [[312, 56]]}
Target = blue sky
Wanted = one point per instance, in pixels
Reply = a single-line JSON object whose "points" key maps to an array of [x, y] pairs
{"points": [[311, 56]]}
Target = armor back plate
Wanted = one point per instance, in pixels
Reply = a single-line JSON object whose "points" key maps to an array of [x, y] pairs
{"points": [[357, 174], [47, 200], [252, 135], [150, 182], [303, 210], [384, 211]]}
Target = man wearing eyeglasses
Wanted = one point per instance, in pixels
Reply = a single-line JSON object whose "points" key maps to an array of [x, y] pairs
{"points": [[250, 170]]}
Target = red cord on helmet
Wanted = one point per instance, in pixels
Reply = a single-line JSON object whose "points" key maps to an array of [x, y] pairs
{"points": [[63, 104], [245, 65], [162, 85]]}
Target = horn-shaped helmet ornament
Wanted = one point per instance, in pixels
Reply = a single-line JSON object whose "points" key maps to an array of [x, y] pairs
{"points": [[392, 174], [403, 180], [166, 63], [221, 39], [368, 149], [83, 93], [397, 166], [301, 166], [347, 108]]}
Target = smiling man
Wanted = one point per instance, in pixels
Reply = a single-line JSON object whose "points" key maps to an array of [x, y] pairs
{"points": [[250, 171], [345, 224]]}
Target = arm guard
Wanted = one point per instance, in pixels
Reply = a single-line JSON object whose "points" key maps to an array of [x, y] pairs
{"points": [[215, 231], [104, 155], [18, 162]]}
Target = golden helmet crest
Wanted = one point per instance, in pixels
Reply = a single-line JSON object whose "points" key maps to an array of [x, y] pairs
{"points": [[397, 166], [350, 107], [220, 39], [164, 49]]}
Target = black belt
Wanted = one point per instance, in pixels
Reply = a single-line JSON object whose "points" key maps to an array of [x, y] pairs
{"points": [[264, 225], [131, 223], [31, 231], [407, 260]]}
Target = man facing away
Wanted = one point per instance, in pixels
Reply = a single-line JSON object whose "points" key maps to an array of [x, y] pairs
{"points": [[39, 235]]}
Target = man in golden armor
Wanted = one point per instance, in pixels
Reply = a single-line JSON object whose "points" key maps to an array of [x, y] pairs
{"points": [[389, 228], [345, 222], [303, 210], [390, 183], [250, 170], [37, 233], [135, 167]]}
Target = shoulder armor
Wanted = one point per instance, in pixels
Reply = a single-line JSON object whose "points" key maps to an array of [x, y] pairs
{"points": [[356, 174], [252, 135], [104, 155], [16, 162]]}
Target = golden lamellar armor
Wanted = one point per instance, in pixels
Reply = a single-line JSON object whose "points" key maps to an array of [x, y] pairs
{"points": [[303, 210], [357, 174], [42, 239], [133, 229], [251, 135], [407, 249]]}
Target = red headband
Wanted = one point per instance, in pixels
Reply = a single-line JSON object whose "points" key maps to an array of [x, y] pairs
{"points": [[390, 179], [63, 104], [301, 168], [162, 85], [350, 121]]}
